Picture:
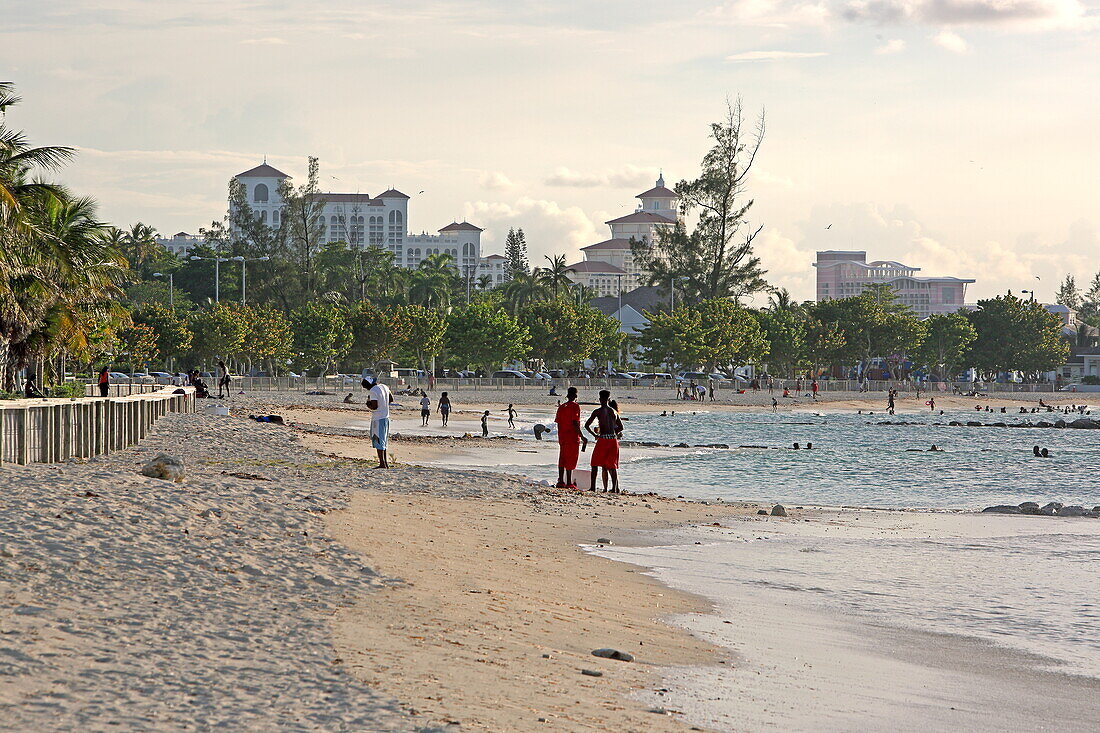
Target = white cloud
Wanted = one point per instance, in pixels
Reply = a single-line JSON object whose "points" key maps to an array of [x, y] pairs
{"points": [[550, 228], [773, 55], [494, 181], [951, 41], [895, 45], [624, 177], [269, 41], [769, 13], [1023, 14]]}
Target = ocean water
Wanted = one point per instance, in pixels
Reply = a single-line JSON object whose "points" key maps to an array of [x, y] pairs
{"points": [[857, 462]]}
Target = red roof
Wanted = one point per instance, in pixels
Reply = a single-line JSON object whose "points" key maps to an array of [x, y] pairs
{"points": [[495, 257], [660, 192], [608, 244], [596, 266], [465, 226], [392, 193], [263, 171], [641, 217]]}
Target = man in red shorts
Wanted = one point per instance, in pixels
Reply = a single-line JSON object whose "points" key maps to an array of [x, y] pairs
{"points": [[606, 453], [568, 419]]}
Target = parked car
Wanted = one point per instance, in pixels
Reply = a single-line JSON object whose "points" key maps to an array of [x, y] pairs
{"points": [[693, 376], [662, 376], [118, 377], [556, 373], [408, 373], [163, 378], [511, 374]]}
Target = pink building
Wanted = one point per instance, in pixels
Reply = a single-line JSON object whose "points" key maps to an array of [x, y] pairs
{"points": [[843, 274]]}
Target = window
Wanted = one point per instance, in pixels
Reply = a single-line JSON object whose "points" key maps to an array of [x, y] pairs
{"points": [[260, 193], [275, 218], [263, 217]]}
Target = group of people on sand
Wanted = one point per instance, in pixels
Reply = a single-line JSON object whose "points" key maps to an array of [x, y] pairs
{"points": [[572, 440]]}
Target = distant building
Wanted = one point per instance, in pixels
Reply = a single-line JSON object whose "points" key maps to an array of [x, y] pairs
{"points": [[844, 274], [630, 309], [657, 210], [363, 220], [496, 267], [602, 277], [180, 243]]}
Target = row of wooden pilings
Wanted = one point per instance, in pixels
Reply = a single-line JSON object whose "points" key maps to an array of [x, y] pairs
{"points": [[55, 430]]}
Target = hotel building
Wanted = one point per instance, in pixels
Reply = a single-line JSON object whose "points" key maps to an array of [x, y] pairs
{"points": [[844, 274]]}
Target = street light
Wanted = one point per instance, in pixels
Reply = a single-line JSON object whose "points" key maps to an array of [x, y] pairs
{"points": [[242, 260], [217, 273], [171, 288], [1032, 292]]}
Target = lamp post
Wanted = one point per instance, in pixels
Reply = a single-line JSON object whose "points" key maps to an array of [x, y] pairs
{"points": [[619, 312], [171, 288], [217, 273], [1031, 293], [243, 260]]}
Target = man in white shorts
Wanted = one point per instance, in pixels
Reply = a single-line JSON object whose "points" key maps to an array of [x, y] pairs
{"points": [[379, 402]]}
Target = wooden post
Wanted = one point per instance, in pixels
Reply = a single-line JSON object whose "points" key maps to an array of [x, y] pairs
{"points": [[3, 433], [23, 436]]}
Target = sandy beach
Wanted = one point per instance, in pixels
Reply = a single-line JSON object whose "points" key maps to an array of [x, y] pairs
{"points": [[285, 585]]}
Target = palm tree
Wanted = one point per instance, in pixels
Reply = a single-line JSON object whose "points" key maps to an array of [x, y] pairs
{"points": [[523, 289], [434, 281], [140, 246], [484, 282], [781, 300], [582, 294], [18, 159], [555, 277]]}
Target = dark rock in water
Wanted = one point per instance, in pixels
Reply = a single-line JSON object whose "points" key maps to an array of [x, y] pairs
{"points": [[603, 541], [1059, 423], [1029, 507], [613, 654], [973, 424], [1096, 509], [762, 512], [681, 445], [1075, 510], [1050, 509], [592, 672], [1083, 423], [1002, 509], [955, 423], [1044, 424], [1000, 425], [779, 510]]}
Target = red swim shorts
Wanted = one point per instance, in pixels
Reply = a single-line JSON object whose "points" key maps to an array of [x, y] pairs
{"points": [[569, 450], [606, 453]]}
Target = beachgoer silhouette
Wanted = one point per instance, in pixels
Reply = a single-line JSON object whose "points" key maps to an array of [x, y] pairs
{"points": [[606, 453]]}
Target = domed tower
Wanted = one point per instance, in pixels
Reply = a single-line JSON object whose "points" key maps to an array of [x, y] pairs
{"points": [[660, 200], [261, 187]]}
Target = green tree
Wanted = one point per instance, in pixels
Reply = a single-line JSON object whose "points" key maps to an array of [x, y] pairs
{"points": [[377, 333], [948, 340], [733, 335], [424, 331], [677, 338], [515, 249], [1090, 303], [555, 277], [1015, 335], [303, 225], [1068, 294], [271, 339], [434, 282], [824, 344], [785, 333], [715, 259], [523, 289], [220, 331], [137, 346], [173, 337], [321, 335], [482, 334]]}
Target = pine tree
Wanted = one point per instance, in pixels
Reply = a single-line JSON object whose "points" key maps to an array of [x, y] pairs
{"points": [[1068, 294], [1090, 302], [515, 249]]}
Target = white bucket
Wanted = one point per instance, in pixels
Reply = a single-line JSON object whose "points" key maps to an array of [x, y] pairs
{"points": [[217, 410]]}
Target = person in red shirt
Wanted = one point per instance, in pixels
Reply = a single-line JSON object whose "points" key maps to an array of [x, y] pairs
{"points": [[568, 419], [813, 388]]}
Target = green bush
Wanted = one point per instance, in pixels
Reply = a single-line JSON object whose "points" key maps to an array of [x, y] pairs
{"points": [[1090, 379], [69, 389]]}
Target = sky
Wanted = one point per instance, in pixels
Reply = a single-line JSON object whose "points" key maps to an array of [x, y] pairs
{"points": [[959, 136]]}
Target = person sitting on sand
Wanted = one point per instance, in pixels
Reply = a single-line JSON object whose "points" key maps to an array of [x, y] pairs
{"points": [[553, 390], [444, 408], [30, 389], [786, 392], [568, 418], [378, 400], [485, 424], [425, 410], [349, 400], [512, 416], [606, 453]]}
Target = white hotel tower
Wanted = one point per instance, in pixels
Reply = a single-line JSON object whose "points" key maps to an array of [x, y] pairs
{"points": [[362, 220]]}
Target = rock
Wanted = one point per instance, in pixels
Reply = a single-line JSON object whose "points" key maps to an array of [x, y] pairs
{"points": [[1002, 509], [212, 512], [1059, 423], [1050, 509], [1001, 425], [779, 511], [1083, 423], [1096, 509], [8, 551], [762, 512], [973, 424], [1029, 507], [164, 466], [1044, 424], [592, 672], [613, 654], [955, 423], [1075, 510], [603, 541]]}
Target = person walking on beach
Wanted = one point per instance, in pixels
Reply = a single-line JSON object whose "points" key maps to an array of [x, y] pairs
{"points": [[444, 408], [105, 380], [568, 419], [813, 388], [378, 400], [223, 378], [485, 424], [512, 416], [710, 386], [425, 410], [606, 453]]}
